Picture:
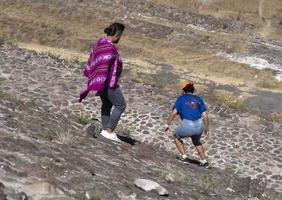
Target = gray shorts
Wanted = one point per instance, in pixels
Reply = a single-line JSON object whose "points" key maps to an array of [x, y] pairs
{"points": [[189, 128]]}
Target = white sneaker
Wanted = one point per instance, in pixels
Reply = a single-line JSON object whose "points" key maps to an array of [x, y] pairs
{"points": [[183, 156], [110, 136], [115, 137]]}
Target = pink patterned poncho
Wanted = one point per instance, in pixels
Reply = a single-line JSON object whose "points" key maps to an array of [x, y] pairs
{"points": [[103, 67]]}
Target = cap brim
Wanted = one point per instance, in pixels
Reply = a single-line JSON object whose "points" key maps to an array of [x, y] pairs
{"points": [[183, 84]]}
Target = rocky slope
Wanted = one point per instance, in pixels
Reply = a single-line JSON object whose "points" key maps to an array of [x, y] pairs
{"points": [[216, 42], [46, 152], [47, 148]]}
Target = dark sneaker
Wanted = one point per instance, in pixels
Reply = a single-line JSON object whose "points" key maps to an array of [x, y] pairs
{"points": [[205, 165]]}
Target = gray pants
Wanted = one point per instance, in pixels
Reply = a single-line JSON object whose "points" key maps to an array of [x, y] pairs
{"points": [[110, 98]]}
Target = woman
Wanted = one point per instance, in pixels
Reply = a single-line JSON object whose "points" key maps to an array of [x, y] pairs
{"points": [[192, 111], [103, 71]]}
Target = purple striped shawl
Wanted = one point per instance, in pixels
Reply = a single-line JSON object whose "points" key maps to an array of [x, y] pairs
{"points": [[103, 67]]}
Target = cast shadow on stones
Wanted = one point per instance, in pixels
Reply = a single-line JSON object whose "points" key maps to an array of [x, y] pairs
{"points": [[128, 140]]}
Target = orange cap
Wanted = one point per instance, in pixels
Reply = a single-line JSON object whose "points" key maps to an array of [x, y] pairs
{"points": [[183, 84]]}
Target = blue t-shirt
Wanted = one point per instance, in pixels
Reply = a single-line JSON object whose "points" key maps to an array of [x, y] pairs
{"points": [[190, 106]]}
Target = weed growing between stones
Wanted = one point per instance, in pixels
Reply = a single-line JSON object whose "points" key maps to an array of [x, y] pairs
{"points": [[179, 175], [53, 55], [80, 196], [53, 166], [97, 195], [2, 94], [62, 134], [159, 82], [2, 40], [49, 134], [132, 128], [2, 79], [45, 163], [276, 117], [231, 101], [13, 98], [205, 184], [81, 119], [229, 169], [65, 136], [237, 103], [156, 173], [76, 60], [92, 194]]}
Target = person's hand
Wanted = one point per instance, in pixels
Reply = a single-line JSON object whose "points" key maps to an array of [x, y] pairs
{"points": [[166, 130], [207, 134]]}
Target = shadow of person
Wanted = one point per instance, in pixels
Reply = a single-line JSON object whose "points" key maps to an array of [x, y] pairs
{"points": [[128, 140], [189, 160], [193, 161]]}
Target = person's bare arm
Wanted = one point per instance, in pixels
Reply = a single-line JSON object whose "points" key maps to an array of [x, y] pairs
{"points": [[170, 119], [206, 122]]}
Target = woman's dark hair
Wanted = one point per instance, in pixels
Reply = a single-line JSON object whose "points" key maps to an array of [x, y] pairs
{"points": [[189, 88], [113, 29]]}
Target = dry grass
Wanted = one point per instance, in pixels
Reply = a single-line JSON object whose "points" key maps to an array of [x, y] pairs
{"points": [[228, 100], [67, 54], [264, 13], [50, 26], [2, 40], [268, 84], [65, 136], [68, 32], [188, 5], [277, 117], [250, 6]]}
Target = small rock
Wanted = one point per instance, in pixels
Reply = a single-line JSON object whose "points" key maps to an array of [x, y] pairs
{"points": [[148, 185], [91, 194], [93, 129], [244, 114], [22, 196], [92, 172], [123, 196], [230, 189], [122, 131], [170, 178]]}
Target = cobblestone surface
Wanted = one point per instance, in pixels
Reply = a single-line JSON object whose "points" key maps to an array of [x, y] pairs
{"points": [[241, 142]]}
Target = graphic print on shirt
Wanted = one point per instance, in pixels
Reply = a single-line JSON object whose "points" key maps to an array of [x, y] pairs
{"points": [[192, 104]]}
